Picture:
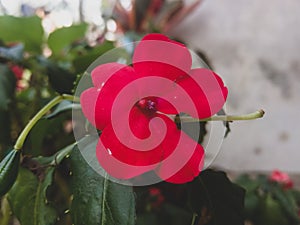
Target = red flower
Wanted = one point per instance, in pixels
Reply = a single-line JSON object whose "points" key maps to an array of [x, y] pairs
{"points": [[156, 197], [281, 178], [18, 72], [130, 105]]}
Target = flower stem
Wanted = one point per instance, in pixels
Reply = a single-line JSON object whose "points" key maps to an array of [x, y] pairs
{"points": [[194, 218], [22, 137], [251, 116], [70, 98]]}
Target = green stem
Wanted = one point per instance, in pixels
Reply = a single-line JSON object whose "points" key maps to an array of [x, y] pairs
{"points": [[70, 98], [194, 218], [22, 137], [230, 118]]}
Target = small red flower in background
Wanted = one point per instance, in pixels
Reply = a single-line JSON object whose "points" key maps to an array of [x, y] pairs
{"points": [[156, 197], [281, 178], [18, 72], [131, 104]]}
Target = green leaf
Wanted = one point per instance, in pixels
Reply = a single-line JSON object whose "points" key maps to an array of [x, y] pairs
{"points": [[5, 129], [9, 170], [168, 214], [97, 200], [270, 212], [295, 194], [82, 62], [252, 202], [248, 183], [147, 219], [213, 193], [288, 204], [226, 123], [63, 107], [63, 153], [208, 65], [28, 198], [64, 37], [14, 53], [55, 159], [27, 30], [5, 212], [175, 215], [47, 136], [7, 86], [191, 128], [60, 78]]}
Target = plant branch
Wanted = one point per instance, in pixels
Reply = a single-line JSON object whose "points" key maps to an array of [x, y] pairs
{"points": [[251, 116], [22, 137]]}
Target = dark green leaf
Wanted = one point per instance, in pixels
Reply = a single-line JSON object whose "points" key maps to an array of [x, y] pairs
{"points": [[55, 159], [296, 194], [252, 201], [168, 214], [147, 219], [14, 53], [38, 136], [97, 200], [226, 123], [9, 170], [213, 195], [81, 63], [206, 61], [196, 130], [270, 212], [7, 86], [5, 212], [63, 153], [207, 64], [28, 198], [27, 30], [288, 204], [174, 215], [61, 79], [4, 128], [64, 37], [63, 107], [248, 183], [47, 136]]}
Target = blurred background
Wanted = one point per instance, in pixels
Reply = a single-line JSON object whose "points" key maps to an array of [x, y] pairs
{"points": [[253, 45]]}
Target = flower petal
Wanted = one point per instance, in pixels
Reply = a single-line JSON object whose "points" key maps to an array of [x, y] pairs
{"points": [[191, 169], [88, 100], [117, 168], [157, 55], [204, 88], [141, 146], [213, 88], [102, 73], [165, 106], [109, 79]]}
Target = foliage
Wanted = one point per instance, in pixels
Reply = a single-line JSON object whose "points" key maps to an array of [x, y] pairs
{"points": [[9, 170], [153, 15], [269, 202], [201, 201], [108, 202], [53, 184]]}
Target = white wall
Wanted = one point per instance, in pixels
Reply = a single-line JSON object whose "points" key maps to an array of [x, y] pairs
{"points": [[255, 46]]}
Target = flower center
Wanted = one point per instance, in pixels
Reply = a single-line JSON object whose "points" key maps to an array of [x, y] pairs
{"points": [[147, 105]]}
